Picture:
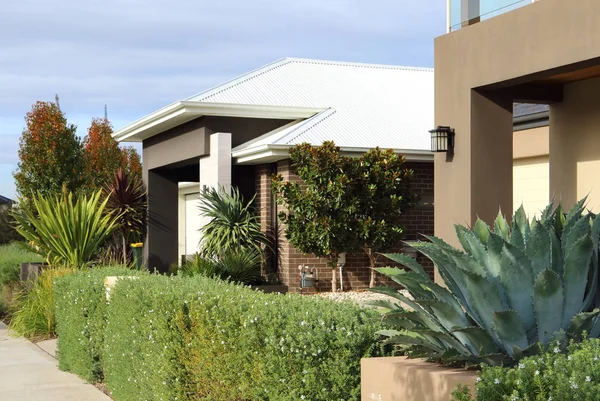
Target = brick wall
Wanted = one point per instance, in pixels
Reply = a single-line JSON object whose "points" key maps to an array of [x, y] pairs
{"points": [[356, 274]]}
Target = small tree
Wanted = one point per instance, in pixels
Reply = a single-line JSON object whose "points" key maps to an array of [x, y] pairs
{"points": [[318, 216], [132, 163], [102, 154], [50, 154], [380, 190]]}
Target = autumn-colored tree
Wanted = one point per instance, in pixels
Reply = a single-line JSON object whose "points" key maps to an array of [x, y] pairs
{"points": [[101, 153], [132, 163], [50, 153], [103, 156]]}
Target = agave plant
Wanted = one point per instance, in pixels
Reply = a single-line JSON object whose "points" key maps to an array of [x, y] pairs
{"points": [[511, 288], [127, 200], [68, 232], [233, 224]]}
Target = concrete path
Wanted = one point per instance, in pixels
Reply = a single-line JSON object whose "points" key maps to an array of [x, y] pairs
{"points": [[27, 373]]}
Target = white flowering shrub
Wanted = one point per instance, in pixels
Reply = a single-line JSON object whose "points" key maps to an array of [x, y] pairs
{"points": [[552, 376], [80, 312], [196, 338]]}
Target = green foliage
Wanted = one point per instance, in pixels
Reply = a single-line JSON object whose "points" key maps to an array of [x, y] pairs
{"points": [[380, 190], [344, 204], [68, 232], [191, 338], [553, 375], [508, 290], [127, 200], [80, 308], [50, 154], [11, 257], [8, 233], [233, 223], [319, 210], [34, 316], [241, 266]]}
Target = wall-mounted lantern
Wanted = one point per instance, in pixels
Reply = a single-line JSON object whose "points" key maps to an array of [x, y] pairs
{"points": [[442, 139]]}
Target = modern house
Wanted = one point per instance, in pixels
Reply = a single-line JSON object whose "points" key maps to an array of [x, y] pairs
{"points": [[239, 133], [545, 52]]}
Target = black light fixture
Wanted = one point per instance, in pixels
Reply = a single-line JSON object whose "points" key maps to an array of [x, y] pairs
{"points": [[442, 139]]}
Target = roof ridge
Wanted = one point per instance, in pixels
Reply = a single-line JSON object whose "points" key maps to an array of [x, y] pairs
{"points": [[359, 64], [322, 116], [240, 79]]}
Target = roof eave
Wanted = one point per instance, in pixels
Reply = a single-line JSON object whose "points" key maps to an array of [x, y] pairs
{"points": [[272, 152], [183, 111]]}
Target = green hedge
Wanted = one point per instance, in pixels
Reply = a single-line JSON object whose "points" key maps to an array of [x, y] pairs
{"points": [[80, 313], [177, 338], [554, 375]]}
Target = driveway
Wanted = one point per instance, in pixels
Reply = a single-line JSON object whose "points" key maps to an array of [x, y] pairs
{"points": [[29, 374]]}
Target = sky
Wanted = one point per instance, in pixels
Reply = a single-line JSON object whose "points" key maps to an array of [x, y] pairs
{"points": [[137, 56]]}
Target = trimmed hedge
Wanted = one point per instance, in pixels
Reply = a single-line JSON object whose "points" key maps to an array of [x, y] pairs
{"points": [[80, 312], [181, 338]]}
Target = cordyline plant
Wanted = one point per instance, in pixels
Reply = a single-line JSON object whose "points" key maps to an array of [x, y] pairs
{"points": [[510, 290], [68, 232], [232, 224], [126, 199]]}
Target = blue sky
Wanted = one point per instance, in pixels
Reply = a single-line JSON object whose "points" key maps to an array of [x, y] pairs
{"points": [[139, 55]]}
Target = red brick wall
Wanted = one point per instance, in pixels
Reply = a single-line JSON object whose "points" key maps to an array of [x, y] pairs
{"points": [[356, 274]]}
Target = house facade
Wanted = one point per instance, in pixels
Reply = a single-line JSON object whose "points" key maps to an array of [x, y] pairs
{"points": [[240, 133], [545, 52]]}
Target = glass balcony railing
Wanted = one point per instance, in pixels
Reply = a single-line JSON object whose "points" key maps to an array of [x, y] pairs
{"points": [[460, 12]]}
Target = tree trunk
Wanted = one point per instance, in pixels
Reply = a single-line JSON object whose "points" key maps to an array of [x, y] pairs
{"points": [[371, 256], [333, 264], [124, 243]]}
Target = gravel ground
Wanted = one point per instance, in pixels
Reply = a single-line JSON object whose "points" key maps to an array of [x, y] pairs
{"points": [[359, 297]]}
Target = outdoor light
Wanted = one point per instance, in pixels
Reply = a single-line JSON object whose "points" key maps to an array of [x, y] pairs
{"points": [[442, 139]]}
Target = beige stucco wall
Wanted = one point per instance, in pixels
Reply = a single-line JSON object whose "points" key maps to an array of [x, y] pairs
{"points": [[534, 42], [575, 145]]}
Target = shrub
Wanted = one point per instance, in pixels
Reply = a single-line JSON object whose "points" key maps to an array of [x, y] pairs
{"points": [[7, 227], [553, 375], [510, 289], [200, 338], [11, 257], [34, 316], [68, 232], [233, 224], [242, 266], [80, 307]]}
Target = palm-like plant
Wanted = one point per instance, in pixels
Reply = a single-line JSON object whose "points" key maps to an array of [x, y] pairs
{"points": [[232, 226], [510, 289], [127, 200], [68, 232]]}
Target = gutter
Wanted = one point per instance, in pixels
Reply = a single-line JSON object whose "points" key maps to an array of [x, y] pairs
{"points": [[530, 121]]}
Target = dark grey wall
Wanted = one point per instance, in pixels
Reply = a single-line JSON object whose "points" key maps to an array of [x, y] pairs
{"points": [[242, 129], [183, 142], [160, 247]]}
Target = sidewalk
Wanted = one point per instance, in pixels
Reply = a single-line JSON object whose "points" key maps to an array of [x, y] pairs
{"points": [[29, 374]]}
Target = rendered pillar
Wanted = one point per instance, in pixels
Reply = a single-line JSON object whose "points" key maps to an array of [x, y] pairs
{"points": [[215, 169]]}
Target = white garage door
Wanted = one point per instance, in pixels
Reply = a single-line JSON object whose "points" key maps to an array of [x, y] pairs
{"points": [[531, 186], [192, 224]]}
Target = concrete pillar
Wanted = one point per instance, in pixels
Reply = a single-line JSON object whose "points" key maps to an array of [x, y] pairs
{"points": [[469, 12], [215, 169], [160, 247], [575, 145], [476, 181]]}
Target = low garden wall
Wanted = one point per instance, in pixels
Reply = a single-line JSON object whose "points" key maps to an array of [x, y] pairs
{"points": [[198, 338], [399, 378]]}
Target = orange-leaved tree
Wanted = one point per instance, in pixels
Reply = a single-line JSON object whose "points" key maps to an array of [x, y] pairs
{"points": [[103, 156], [50, 153]]}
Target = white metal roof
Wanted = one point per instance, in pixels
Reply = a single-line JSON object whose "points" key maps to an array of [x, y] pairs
{"points": [[365, 105]]}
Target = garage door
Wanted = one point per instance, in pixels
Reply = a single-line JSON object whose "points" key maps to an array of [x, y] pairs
{"points": [[192, 224], [531, 186]]}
